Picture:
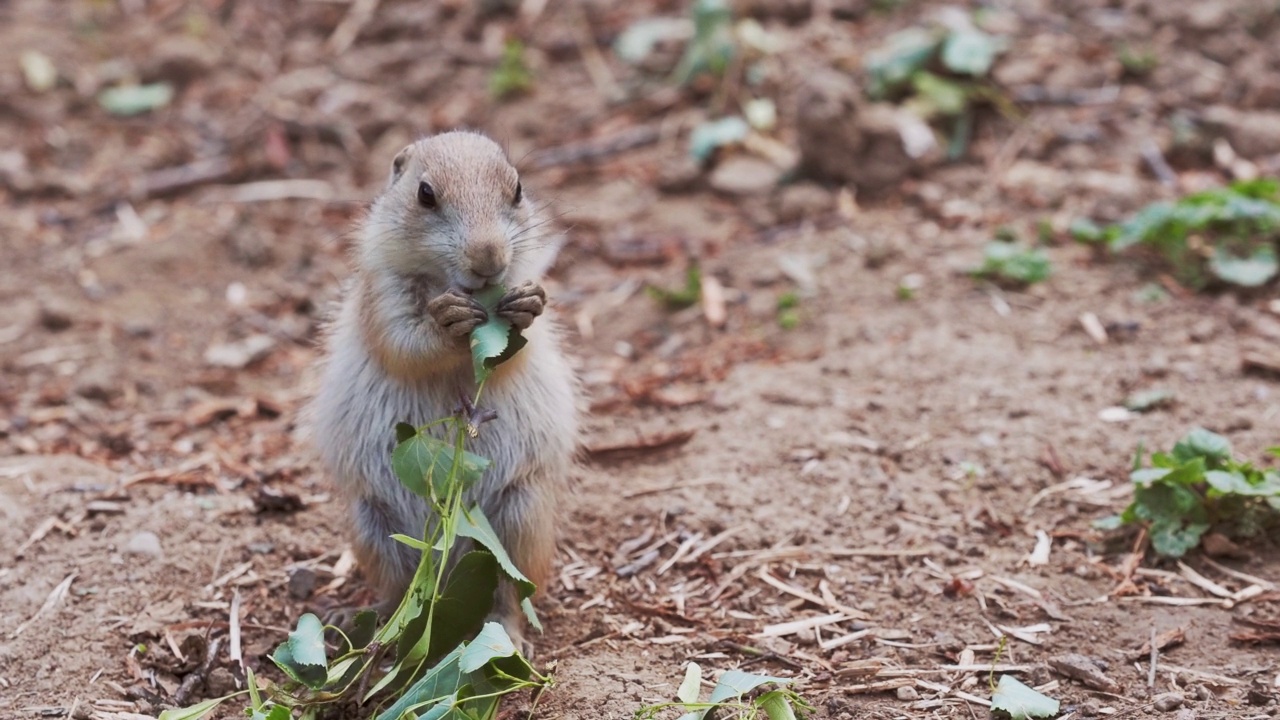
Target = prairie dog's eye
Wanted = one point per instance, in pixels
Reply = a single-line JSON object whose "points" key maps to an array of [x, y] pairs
{"points": [[519, 194], [427, 196]]}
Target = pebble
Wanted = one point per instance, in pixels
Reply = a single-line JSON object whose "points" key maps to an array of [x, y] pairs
{"points": [[744, 175], [908, 694], [239, 354], [302, 582], [144, 543], [1168, 702]]}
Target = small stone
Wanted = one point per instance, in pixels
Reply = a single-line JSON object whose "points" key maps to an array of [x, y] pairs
{"points": [[907, 693], [240, 354], [302, 582], [1185, 714], [55, 316], [144, 543], [744, 175], [1168, 702], [804, 201]]}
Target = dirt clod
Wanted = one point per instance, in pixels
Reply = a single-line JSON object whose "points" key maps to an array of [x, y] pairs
{"points": [[1168, 702]]}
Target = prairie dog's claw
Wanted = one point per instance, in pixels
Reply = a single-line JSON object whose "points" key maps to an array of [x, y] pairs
{"points": [[456, 312], [522, 304]]}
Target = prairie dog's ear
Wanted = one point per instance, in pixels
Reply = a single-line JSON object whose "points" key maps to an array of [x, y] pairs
{"points": [[398, 164]]}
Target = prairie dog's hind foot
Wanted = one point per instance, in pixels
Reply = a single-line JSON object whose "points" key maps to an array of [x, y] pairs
{"points": [[522, 304], [456, 312]]}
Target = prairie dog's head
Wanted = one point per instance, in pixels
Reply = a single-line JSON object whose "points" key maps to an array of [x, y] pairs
{"points": [[454, 211]]}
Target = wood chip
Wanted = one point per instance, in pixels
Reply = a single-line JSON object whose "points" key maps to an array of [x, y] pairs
{"points": [[1094, 328], [1164, 641], [1085, 669], [765, 575], [640, 446], [55, 597], [713, 305], [795, 626]]}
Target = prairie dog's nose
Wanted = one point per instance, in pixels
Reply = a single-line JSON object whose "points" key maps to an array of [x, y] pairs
{"points": [[488, 257]]}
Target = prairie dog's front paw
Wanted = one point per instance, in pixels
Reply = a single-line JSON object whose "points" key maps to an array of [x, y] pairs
{"points": [[522, 304], [456, 312]]}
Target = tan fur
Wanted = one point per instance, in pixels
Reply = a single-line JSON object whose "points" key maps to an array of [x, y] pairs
{"points": [[389, 361]]}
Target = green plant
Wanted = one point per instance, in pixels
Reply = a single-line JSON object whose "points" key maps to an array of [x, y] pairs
{"points": [[788, 312], [1195, 487], [727, 698], [1013, 264], [1137, 62], [938, 73], [1229, 234], [687, 296], [712, 46], [436, 669], [512, 76]]}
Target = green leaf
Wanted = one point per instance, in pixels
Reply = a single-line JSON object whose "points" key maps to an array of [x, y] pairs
{"points": [[735, 683], [890, 66], [302, 656], [1020, 702], [1200, 443], [526, 605], [363, 627], [776, 705], [1252, 271], [637, 41], [495, 341], [710, 136], [473, 524], [199, 710], [491, 644], [680, 299], [1111, 522], [441, 682], [971, 52], [1172, 538], [940, 96], [135, 99], [412, 542], [277, 712], [404, 431], [689, 689], [1013, 263], [464, 603], [423, 463]]}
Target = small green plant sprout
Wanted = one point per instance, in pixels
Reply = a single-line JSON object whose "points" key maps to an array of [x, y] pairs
{"points": [[713, 45], [436, 656], [1013, 700], [788, 311], [729, 698], [1225, 235], [939, 73], [1138, 62], [512, 75], [688, 296], [1196, 487], [1006, 262]]}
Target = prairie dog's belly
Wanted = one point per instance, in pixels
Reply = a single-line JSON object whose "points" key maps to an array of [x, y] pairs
{"points": [[355, 412]]}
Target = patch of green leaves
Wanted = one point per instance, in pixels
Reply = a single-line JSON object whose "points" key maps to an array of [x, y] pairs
{"points": [[687, 296], [512, 75], [1195, 487], [302, 657], [424, 464], [1226, 235], [1011, 263], [939, 73], [729, 698], [712, 46]]}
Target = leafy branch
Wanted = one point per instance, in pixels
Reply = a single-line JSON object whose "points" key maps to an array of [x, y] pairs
{"points": [[435, 671]]}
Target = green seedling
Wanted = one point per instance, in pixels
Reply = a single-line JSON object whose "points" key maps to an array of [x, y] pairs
{"points": [[1225, 235], [712, 46], [1137, 62], [512, 76], [687, 296], [1010, 263], [1195, 487], [940, 74], [436, 656], [788, 311]]}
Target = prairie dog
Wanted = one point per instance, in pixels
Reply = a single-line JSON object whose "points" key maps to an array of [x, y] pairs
{"points": [[452, 219]]}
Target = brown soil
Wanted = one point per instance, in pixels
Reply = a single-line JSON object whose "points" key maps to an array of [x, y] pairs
{"points": [[901, 454]]}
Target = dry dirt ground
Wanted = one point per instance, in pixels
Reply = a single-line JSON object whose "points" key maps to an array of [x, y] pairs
{"points": [[894, 458]]}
